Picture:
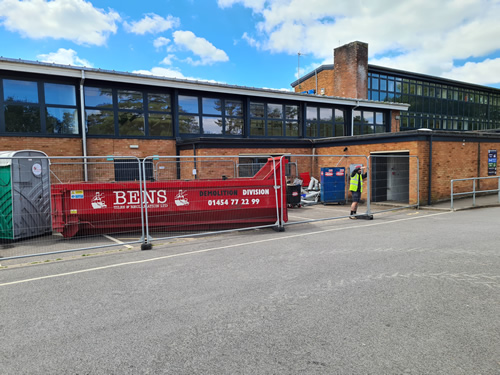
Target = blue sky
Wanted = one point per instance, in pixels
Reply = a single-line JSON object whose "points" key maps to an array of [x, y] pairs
{"points": [[255, 42]]}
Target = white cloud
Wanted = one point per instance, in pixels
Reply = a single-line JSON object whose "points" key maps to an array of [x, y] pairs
{"points": [[64, 57], [256, 5], [201, 47], [251, 41], [483, 73], [170, 73], [424, 36], [75, 20], [168, 60], [152, 23], [160, 42]]}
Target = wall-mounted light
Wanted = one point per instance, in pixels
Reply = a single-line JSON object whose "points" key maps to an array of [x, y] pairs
{"points": [[397, 118], [134, 146]]}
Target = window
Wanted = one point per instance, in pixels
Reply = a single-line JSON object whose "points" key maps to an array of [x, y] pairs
{"points": [[274, 120], [160, 115], [368, 122], [324, 122], [130, 113], [39, 107], [61, 113], [218, 116], [21, 108]]}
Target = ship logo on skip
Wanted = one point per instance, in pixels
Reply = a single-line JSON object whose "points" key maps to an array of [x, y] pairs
{"points": [[181, 199], [98, 201]]}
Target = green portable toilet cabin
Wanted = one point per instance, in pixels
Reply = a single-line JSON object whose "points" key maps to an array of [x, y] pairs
{"points": [[25, 209]]}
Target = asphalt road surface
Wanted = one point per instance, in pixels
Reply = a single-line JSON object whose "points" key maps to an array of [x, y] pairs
{"points": [[411, 292]]}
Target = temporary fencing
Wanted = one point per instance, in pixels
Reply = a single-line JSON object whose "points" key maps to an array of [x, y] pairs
{"points": [[68, 204], [97, 202]]}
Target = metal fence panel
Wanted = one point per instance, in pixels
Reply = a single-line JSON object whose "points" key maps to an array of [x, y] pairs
{"points": [[202, 195], [79, 199]]}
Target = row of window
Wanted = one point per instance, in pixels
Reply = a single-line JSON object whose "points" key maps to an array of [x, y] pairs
{"points": [[51, 108], [412, 121], [478, 110]]}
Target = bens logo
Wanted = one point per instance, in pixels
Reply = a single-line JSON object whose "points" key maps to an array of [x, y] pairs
{"points": [[132, 197]]}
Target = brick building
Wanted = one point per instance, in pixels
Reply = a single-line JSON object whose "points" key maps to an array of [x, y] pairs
{"points": [[72, 111]]}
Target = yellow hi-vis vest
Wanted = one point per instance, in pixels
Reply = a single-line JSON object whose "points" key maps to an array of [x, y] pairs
{"points": [[357, 179]]}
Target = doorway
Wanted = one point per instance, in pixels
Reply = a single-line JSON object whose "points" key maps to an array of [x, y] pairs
{"points": [[390, 177]]}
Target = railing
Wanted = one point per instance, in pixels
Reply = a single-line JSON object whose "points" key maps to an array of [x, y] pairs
{"points": [[474, 191]]}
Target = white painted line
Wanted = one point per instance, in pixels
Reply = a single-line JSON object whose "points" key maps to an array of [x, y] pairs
{"points": [[117, 241], [216, 248]]}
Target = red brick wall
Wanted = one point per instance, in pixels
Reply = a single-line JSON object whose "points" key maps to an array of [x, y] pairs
{"points": [[325, 81], [121, 147], [51, 146]]}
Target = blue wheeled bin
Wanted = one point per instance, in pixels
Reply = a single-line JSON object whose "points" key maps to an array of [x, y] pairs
{"points": [[333, 185]]}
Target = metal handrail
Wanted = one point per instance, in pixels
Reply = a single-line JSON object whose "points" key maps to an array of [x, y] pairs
{"points": [[474, 191]]}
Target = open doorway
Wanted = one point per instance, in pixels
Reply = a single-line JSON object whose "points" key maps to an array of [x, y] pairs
{"points": [[390, 176]]}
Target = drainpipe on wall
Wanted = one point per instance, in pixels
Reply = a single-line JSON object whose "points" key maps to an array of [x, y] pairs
{"points": [[316, 75], [194, 154], [352, 117], [84, 127], [478, 164], [429, 188]]}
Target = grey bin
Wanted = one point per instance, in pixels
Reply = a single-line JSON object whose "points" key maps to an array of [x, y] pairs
{"points": [[25, 207]]}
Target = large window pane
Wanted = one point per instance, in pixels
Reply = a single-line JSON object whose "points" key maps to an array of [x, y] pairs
{"points": [[234, 126], [22, 119], [325, 129], [379, 118], [257, 127], [339, 115], [160, 125], [212, 125], [189, 124], [159, 102], [292, 129], [212, 106], [326, 114], [60, 94], [129, 99], [100, 122], [339, 130], [312, 129], [312, 113], [20, 91], [256, 110], [274, 128], [368, 117], [98, 97], [131, 123], [292, 112], [234, 108], [62, 121], [274, 111], [188, 104]]}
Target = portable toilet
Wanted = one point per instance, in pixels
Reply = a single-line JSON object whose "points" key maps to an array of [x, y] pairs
{"points": [[24, 194], [333, 185]]}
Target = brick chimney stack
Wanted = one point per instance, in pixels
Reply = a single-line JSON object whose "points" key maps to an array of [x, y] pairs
{"points": [[351, 70]]}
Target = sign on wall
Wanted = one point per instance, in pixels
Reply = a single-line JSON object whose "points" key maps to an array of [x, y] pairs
{"points": [[492, 162]]}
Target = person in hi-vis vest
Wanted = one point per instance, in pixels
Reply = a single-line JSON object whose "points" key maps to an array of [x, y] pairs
{"points": [[356, 188]]}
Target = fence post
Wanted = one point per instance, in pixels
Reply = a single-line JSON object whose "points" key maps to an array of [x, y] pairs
{"points": [[452, 195], [474, 193], [146, 245]]}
